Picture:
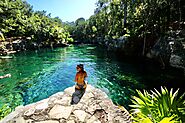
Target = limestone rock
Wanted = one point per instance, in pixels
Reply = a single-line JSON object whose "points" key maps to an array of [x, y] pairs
{"points": [[42, 106], [49, 121], [58, 95], [59, 111], [80, 114], [71, 121], [64, 101], [20, 120], [69, 91], [93, 119], [169, 50], [94, 107], [29, 112]]}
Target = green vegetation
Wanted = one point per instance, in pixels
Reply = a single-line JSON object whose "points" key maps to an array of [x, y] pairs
{"points": [[13, 100], [158, 107], [17, 19], [141, 21], [2, 37]]}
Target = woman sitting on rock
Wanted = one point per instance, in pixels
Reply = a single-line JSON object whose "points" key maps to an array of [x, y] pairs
{"points": [[80, 77]]}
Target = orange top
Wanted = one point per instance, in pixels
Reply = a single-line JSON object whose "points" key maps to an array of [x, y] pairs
{"points": [[80, 77]]}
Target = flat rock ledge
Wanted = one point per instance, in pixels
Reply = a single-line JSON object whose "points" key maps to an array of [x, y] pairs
{"points": [[94, 107]]}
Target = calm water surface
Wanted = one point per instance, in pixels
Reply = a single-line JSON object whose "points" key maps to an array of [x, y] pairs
{"points": [[38, 74]]}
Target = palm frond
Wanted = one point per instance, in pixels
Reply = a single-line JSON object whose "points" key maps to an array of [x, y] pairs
{"points": [[159, 105]]}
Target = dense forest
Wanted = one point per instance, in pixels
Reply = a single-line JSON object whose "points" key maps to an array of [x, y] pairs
{"points": [[139, 20], [147, 28], [19, 21], [133, 18]]}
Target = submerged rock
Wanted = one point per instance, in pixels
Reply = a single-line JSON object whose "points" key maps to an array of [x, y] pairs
{"points": [[93, 107]]}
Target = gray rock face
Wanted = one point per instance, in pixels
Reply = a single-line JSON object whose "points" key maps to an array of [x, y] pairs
{"points": [[94, 107], [170, 51], [118, 44]]}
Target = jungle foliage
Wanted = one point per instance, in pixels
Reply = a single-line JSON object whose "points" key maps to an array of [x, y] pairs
{"points": [[17, 19], [158, 107], [142, 21]]}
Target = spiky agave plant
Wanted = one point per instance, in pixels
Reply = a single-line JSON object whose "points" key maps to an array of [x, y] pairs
{"points": [[158, 106]]}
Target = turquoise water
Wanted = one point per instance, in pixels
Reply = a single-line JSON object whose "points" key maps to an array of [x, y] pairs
{"points": [[38, 74]]}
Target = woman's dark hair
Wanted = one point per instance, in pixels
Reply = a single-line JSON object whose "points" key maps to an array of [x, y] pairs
{"points": [[81, 66]]}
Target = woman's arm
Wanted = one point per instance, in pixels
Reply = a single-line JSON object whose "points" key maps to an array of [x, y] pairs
{"points": [[85, 75], [85, 78]]}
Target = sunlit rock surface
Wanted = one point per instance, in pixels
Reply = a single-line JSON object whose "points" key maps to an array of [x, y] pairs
{"points": [[94, 107]]}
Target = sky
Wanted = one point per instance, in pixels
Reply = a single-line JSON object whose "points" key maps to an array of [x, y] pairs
{"points": [[67, 10]]}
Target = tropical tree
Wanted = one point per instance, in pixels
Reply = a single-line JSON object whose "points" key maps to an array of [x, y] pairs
{"points": [[17, 19], [141, 21]]}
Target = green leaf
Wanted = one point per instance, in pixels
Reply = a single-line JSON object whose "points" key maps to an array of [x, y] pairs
{"points": [[167, 120]]}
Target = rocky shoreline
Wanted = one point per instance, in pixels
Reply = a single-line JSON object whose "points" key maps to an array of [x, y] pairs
{"points": [[94, 107], [167, 50], [17, 44]]}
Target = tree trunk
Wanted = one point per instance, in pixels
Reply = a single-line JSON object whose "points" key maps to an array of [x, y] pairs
{"points": [[125, 14], [144, 42], [180, 14]]}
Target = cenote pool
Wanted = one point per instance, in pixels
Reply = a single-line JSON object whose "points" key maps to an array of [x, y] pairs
{"points": [[38, 74]]}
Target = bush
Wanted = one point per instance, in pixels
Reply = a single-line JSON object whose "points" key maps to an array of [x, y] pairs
{"points": [[158, 107]]}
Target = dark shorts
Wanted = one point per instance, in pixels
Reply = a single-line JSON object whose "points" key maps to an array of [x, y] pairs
{"points": [[81, 86]]}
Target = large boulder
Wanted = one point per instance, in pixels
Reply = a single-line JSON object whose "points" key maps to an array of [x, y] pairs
{"points": [[169, 50], [93, 107]]}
